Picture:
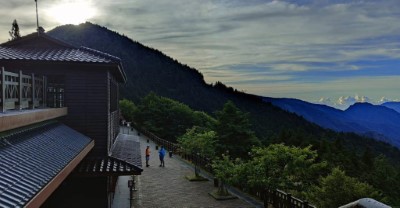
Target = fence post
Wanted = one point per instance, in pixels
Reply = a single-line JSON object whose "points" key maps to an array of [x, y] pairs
{"points": [[305, 204], [275, 200], [288, 200], [266, 198]]}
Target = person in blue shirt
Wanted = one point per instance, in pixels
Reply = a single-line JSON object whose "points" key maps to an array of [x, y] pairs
{"points": [[161, 153]]}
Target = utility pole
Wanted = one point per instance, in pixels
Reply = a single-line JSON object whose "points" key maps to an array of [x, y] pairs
{"points": [[37, 18]]}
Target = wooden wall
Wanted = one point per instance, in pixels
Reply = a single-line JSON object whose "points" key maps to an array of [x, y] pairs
{"points": [[87, 96]]}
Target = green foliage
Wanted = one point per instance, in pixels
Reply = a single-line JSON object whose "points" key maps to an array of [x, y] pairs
{"points": [[199, 140], [282, 167], [234, 131], [223, 169], [168, 118], [277, 166], [338, 189], [384, 176], [128, 109], [14, 33]]}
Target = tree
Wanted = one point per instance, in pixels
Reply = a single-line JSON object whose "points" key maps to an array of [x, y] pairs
{"points": [[338, 189], [386, 178], [234, 131], [168, 118], [223, 170], [282, 167], [199, 140], [14, 33], [128, 108]]}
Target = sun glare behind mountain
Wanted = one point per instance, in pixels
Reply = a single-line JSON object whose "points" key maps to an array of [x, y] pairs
{"points": [[75, 12]]}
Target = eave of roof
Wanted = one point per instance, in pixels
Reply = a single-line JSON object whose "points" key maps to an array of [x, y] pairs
{"points": [[125, 159], [31, 48], [127, 148], [106, 166], [35, 161]]}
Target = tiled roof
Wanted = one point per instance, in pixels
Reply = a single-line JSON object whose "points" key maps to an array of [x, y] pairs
{"points": [[57, 54], [43, 48], [127, 148], [125, 159], [31, 158], [107, 166]]}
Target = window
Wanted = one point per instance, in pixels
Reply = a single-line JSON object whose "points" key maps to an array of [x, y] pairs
{"points": [[55, 91]]}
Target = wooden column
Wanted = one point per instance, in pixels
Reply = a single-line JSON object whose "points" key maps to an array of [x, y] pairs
{"points": [[3, 90], [44, 81], [33, 90], [20, 90]]}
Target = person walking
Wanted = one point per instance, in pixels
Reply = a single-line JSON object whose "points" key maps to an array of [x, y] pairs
{"points": [[161, 153], [147, 156]]}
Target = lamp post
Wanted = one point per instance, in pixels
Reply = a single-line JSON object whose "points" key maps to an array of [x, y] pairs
{"points": [[196, 168]]}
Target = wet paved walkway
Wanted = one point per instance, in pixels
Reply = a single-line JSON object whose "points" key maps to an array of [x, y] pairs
{"points": [[168, 187]]}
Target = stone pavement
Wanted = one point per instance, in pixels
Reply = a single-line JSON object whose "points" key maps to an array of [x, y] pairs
{"points": [[168, 187], [121, 197]]}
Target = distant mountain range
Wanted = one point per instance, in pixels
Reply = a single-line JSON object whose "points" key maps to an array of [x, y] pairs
{"points": [[381, 122]]}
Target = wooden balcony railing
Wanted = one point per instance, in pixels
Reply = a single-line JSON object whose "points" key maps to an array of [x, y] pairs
{"points": [[19, 91]]}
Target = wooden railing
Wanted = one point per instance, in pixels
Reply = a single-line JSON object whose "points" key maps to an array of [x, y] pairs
{"points": [[167, 144], [20, 91], [276, 198]]}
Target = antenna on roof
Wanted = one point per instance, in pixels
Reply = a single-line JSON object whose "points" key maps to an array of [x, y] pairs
{"points": [[37, 18]]}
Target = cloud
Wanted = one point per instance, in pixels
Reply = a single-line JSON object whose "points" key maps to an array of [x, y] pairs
{"points": [[343, 102], [384, 100], [305, 49]]}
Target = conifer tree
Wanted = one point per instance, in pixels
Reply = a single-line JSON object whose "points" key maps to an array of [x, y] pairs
{"points": [[234, 131], [14, 33]]}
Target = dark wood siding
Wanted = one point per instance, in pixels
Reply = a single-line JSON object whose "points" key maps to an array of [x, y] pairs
{"points": [[87, 96], [113, 109]]}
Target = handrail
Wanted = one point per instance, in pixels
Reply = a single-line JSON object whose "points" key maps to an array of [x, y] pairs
{"points": [[20, 91], [277, 198]]}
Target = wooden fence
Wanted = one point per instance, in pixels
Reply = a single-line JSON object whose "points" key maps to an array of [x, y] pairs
{"points": [[276, 198], [19, 91]]}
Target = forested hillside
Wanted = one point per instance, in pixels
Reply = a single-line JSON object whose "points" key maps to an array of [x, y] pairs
{"points": [[149, 70], [330, 174]]}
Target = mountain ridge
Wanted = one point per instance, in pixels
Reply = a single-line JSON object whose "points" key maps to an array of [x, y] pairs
{"points": [[377, 121], [393, 105], [149, 70]]}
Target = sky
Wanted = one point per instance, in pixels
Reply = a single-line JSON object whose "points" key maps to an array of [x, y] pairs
{"points": [[335, 52]]}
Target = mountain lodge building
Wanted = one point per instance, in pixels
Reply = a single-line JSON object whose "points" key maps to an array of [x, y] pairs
{"points": [[60, 144]]}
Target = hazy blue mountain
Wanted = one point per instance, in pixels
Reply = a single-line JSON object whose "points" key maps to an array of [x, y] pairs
{"points": [[393, 105], [382, 122], [375, 121]]}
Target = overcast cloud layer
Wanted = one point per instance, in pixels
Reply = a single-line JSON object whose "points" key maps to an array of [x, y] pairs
{"points": [[304, 49]]}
